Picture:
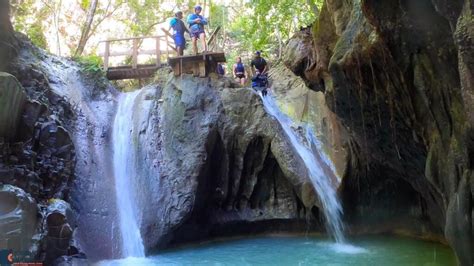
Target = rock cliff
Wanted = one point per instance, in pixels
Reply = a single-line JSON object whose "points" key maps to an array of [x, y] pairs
{"points": [[398, 76]]}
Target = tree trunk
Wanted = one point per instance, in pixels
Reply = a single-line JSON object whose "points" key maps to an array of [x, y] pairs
{"points": [[56, 15], [313, 7], [86, 28], [7, 39]]}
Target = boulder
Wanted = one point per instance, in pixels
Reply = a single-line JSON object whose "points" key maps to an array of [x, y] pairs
{"points": [[18, 218], [12, 100], [59, 224]]}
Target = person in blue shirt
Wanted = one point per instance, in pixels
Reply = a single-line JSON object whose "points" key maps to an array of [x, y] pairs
{"points": [[220, 69], [196, 27], [179, 29], [239, 71]]}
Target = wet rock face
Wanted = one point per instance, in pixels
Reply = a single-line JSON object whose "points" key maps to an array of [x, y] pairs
{"points": [[214, 163], [399, 77], [59, 223], [18, 218], [37, 155]]}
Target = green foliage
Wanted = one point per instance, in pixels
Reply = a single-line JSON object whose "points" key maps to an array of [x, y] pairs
{"points": [[84, 4], [35, 33], [28, 20], [144, 15], [267, 24], [91, 64]]}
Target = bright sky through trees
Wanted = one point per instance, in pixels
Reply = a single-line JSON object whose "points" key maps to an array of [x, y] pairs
{"points": [[75, 27]]}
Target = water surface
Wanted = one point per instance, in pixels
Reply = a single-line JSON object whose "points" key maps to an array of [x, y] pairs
{"points": [[274, 251]]}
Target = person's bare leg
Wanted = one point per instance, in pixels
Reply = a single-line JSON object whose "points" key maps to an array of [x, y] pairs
{"points": [[195, 48], [179, 51], [202, 36], [242, 81]]}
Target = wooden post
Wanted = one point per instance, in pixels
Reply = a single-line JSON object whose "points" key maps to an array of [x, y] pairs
{"points": [[158, 52], [167, 48], [106, 55], [135, 54]]}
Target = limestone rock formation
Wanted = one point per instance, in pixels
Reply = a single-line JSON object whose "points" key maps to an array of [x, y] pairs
{"points": [[212, 162], [37, 155], [59, 223]]}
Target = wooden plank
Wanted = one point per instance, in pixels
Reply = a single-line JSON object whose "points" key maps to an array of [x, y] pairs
{"points": [[202, 69], [106, 56], [129, 73], [217, 57], [130, 53], [158, 52], [195, 68], [176, 69], [133, 38], [167, 33], [167, 48], [135, 53], [213, 35]]}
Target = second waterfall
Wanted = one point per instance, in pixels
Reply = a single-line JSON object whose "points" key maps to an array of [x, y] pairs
{"points": [[125, 172], [319, 169]]}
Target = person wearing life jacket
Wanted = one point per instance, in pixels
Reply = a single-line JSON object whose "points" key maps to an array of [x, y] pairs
{"points": [[239, 71], [196, 27], [258, 64], [179, 29], [220, 69], [259, 67]]}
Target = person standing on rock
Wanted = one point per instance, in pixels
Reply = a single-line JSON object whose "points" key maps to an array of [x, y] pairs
{"points": [[179, 29], [259, 65], [239, 71], [196, 26]]}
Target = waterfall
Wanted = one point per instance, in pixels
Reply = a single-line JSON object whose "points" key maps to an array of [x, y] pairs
{"points": [[319, 169], [125, 172]]}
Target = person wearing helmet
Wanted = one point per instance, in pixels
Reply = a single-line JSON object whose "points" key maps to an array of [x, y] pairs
{"points": [[258, 64], [196, 27], [179, 29]]}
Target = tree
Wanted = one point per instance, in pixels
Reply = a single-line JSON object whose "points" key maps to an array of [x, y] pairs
{"points": [[269, 23], [86, 28]]}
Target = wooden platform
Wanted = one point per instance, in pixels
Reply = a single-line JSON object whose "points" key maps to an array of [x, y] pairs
{"points": [[127, 72], [198, 65]]}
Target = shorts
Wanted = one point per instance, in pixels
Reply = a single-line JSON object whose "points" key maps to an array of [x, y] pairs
{"points": [[240, 76], [179, 40], [195, 34]]}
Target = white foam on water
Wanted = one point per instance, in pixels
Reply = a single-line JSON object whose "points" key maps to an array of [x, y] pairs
{"points": [[347, 248]]}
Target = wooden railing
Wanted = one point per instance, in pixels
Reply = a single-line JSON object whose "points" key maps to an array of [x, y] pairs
{"points": [[136, 51], [212, 41], [157, 52]]}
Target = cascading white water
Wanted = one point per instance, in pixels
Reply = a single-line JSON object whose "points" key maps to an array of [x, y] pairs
{"points": [[125, 169], [318, 169]]}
